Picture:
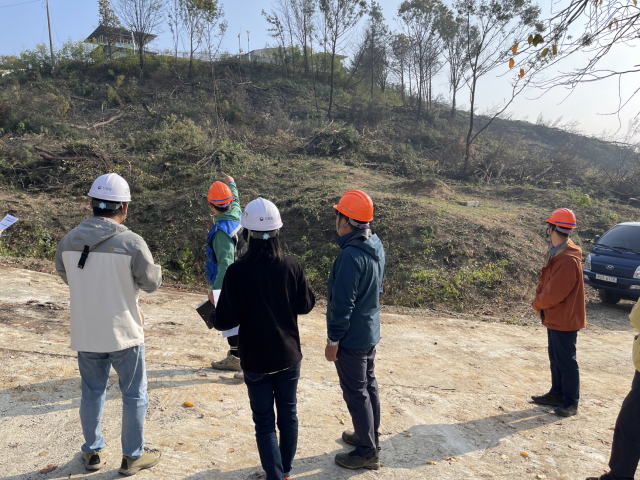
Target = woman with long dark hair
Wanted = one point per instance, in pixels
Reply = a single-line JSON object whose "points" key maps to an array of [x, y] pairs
{"points": [[263, 293]]}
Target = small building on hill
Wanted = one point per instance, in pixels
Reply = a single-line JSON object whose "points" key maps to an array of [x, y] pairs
{"points": [[122, 40], [276, 55]]}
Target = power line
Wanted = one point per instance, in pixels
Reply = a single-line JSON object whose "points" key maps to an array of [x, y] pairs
{"points": [[16, 4]]}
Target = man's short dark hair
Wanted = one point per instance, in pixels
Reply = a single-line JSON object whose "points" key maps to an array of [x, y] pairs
{"points": [[99, 212], [221, 209]]}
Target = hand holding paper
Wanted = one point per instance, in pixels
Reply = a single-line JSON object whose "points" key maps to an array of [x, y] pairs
{"points": [[7, 221]]}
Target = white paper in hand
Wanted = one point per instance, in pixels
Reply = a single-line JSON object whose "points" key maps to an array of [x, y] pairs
{"points": [[7, 221], [228, 333]]}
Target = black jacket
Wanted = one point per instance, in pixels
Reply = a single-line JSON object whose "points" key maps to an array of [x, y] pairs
{"points": [[265, 299]]}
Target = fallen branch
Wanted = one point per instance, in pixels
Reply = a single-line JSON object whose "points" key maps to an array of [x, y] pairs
{"points": [[541, 174], [46, 156], [52, 156], [316, 135], [605, 171], [85, 99], [99, 124]]}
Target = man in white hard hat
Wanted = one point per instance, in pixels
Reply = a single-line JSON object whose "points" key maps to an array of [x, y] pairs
{"points": [[106, 265]]}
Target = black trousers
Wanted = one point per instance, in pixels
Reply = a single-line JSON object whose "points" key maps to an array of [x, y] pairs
{"points": [[565, 375], [360, 392], [233, 345], [625, 451]]}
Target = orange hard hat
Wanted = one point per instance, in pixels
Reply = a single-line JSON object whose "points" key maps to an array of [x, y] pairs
{"points": [[357, 205], [563, 217], [219, 193]]}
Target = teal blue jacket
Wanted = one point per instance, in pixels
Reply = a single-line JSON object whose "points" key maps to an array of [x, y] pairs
{"points": [[353, 291]]}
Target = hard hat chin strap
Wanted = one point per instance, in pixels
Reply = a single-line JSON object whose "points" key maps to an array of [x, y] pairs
{"points": [[106, 205], [263, 235]]}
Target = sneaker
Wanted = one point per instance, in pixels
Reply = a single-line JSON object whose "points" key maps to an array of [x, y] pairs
{"points": [[239, 376], [606, 476], [131, 466], [92, 461], [352, 439], [230, 363], [353, 461], [548, 399], [566, 410]]}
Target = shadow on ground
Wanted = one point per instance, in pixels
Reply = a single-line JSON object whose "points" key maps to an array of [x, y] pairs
{"points": [[32, 399]]}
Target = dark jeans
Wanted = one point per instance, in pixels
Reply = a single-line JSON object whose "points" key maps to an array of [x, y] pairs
{"points": [[263, 390], [233, 345], [360, 391], [625, 451], [565, 376]]}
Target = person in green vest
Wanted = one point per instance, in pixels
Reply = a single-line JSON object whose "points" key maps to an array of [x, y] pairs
{"points": [[222, 243]]}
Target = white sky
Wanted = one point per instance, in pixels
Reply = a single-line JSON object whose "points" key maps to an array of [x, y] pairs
{"points": [[23, 26]]}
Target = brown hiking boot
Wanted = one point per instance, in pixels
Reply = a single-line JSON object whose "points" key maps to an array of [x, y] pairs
{"points": [[131, 466], [353, 461], [92, 461], [230, 363]]}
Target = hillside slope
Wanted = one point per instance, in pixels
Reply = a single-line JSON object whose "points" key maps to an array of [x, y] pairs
{"points": [[171, 139]]}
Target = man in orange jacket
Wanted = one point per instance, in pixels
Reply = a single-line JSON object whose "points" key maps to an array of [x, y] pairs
{"points": [[560, 304]]}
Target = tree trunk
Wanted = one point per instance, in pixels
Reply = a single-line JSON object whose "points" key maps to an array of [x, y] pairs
{"points": [[141, 53], [372, 61], [306, 59], [191, 55], [402, 80], [333, 54], [467, 151], [453, 106]]}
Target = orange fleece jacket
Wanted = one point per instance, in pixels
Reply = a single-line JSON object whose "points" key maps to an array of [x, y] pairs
{"points": [[560, 292]]}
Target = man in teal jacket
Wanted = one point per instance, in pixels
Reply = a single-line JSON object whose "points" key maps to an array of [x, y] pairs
{"points": [[353, 325], [221, 250]]}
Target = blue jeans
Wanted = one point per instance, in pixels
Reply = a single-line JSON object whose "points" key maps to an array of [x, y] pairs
{"points": [[264, 390], [565, 376], [132, 377], [625, 451], [360, 392]]}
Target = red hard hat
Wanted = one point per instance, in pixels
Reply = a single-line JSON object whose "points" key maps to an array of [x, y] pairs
{"points": [[563, 217], [357, 205], [220, 193]]}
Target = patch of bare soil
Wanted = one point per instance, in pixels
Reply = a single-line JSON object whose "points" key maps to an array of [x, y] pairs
{"points": [[455, 395]]}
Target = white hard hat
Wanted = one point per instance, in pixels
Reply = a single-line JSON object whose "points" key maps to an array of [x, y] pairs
{"points": [[111, 187], [261, 215]]}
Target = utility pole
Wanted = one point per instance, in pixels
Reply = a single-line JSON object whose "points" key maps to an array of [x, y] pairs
{"points": [[50, 39], [248, 49]]}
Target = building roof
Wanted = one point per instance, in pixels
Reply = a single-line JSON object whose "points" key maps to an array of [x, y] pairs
{"points": [[102, 31]]}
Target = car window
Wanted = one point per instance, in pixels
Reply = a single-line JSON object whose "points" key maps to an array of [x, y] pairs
{"points": [[624, 236]]}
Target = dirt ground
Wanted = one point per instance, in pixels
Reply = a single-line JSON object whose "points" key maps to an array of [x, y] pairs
{"points": [[454, 389]]}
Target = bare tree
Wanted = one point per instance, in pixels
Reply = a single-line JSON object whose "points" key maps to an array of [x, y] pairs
{"points": [[193, 15], [277, 31], [594, 28], [340, 16], [302, 12], [213, 31], [420, 20], [455, 51], [175, 25], [143, 18], [489, 27], [110, 24], [400, 48]]}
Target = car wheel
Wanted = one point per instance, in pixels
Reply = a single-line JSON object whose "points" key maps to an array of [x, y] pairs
{"points": [[607, 296]]}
